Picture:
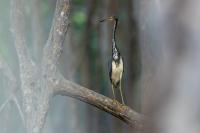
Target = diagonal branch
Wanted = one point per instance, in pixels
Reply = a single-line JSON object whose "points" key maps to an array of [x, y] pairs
{"points": [[18, 30], [13, 98], [19, 108], [53, 48], [12, 85], [126, 114], [4, 67], [5, 103]]}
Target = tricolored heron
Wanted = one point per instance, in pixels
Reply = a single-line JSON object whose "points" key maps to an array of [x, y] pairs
{"points": [[116, 63]]}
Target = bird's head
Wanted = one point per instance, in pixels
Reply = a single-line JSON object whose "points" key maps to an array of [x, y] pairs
{"points": [[111, 18], [116, 56]]}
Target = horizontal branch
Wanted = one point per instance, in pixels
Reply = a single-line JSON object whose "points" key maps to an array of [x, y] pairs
{"points": [[124, 113]]}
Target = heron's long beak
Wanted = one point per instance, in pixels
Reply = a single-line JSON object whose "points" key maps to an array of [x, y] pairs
{"points": [[102, 20], [109, 18]]}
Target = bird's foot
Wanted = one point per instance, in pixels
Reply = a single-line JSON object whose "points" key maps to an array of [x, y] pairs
{"points": [[123, 104], [115, 102]]}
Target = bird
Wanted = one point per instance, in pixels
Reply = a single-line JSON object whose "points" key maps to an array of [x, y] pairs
{"points": [[116, 66]]}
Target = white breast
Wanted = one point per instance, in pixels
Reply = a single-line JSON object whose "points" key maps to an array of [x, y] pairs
{"points": [[117, 70]]}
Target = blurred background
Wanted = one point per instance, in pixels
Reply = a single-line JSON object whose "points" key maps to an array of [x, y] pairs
{"points": [[159, 42]]}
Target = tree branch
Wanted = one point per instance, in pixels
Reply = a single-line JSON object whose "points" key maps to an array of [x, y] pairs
{"points": [[37, 83], [124, 113], [13, 98], [12, 86], [5, 103], [19, 108], [4, 67], [53, 48], [18, 27]]}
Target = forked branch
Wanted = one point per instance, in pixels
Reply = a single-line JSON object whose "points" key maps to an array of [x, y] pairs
{"points": [[51, 79]]}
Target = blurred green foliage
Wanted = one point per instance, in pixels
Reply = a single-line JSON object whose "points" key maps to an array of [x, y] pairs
{"points": [[79, 19], [78, 2]]}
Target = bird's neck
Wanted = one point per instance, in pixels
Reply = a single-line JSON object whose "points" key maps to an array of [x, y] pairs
{"points": [[114, 46], [115, 53]]}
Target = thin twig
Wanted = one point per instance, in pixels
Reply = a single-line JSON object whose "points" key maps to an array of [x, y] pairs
{"points": [[5, 103], [19, 109]]}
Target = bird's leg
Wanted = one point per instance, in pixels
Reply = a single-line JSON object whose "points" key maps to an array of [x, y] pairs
{"points": [[113, 92], [120, 88]]}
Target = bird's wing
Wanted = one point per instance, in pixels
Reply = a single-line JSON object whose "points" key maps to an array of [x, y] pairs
{"points": [[110, 68], [123, 64]]}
